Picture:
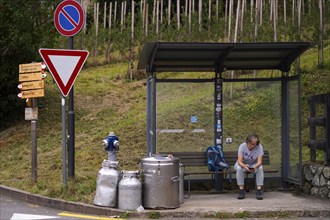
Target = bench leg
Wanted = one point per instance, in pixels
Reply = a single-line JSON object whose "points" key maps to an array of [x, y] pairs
{"points": [[185, 195], [218, 180]]}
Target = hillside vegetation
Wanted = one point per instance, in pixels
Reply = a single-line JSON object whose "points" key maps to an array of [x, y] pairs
{"points": [[105, 101]]}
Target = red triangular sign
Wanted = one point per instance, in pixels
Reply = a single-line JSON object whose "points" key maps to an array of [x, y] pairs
{"points": [[64, 65]]}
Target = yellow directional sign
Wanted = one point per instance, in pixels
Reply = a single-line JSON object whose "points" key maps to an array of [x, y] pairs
{"points": [[31, 67], [32, 85], [31, 93], [30, 77]]}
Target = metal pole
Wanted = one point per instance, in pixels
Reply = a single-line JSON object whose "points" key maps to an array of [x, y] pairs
{"points": [[71, 127], [63, 144], [34, 144]]}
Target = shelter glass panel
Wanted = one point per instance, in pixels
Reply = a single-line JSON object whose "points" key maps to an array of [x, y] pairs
{"points": [[184, 116], [253, 107], [294, 173]]}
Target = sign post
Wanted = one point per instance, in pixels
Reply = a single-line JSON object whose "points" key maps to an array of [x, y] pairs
{"points": [[31, 84], [69, 19], [64, 66]]}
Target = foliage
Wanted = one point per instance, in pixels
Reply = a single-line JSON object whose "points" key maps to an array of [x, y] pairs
{"points": [[25, 27]]}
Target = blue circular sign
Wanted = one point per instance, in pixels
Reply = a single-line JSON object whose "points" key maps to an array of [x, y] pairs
{"points": [[69, 18]]}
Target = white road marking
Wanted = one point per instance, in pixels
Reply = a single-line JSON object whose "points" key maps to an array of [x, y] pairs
{"points": [[19, 216]]}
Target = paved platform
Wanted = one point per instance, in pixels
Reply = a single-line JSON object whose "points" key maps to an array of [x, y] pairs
{"points": [[276, 204]]}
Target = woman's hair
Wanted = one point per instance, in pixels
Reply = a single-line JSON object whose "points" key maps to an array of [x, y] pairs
{"points": [[251, 137]]}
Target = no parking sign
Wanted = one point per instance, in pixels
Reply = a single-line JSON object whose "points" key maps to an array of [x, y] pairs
{"points": [[69, 18]]}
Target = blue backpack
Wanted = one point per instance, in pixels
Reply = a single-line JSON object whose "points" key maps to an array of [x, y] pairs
{"points": [[216, 160]]}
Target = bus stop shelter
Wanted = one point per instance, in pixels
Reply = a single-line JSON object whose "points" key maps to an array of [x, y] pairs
{"points": [[157, 58]]}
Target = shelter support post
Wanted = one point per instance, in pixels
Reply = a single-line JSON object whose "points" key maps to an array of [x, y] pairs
{"points": [[285, 131], [218, 139], [151, 116]]}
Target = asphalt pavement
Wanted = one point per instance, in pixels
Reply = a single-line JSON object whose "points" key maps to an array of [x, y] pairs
{"points": [[276, 204]]}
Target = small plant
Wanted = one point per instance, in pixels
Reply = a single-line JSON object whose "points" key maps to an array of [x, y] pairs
{"points": [[223, 215], [124, 215], [154, 215], [243, 214]]}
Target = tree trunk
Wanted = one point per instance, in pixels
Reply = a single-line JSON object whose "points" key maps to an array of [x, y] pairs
{"points": [[293, 9], [229, 20], [209, 20], [154, 15], [189, 16], [256, 21], [186, 9], [260, 10], [147, 18], [237, 19], [169, 16], [122, 17], [115, 13], [217, 9], [107, 56], [157, 18], [200, 15], [178, 14], [143, 8], [226, 15], [132, 41], [284, 10], [320, 47], [105, 15], [275, 21], [242, 19]]}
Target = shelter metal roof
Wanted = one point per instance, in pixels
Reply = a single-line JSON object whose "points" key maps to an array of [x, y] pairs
{"points": [[216, 57]]}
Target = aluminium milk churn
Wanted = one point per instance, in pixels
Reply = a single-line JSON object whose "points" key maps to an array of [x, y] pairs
{"points": [[160, 185], [129, 191], [106, 184]]}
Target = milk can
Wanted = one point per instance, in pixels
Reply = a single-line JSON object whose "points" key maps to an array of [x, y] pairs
{"points": [[106, 184], [160, 183], [129, 191]]}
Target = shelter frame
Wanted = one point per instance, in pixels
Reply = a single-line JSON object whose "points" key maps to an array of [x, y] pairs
{"points": [[159, 57]]}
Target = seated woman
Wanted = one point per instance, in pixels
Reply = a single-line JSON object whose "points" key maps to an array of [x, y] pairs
{"points": [[249, 160]]}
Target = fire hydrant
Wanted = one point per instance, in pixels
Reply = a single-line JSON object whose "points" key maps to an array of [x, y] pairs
{"points": [[111, 145]]}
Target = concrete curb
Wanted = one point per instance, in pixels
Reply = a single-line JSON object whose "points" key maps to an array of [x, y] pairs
{"points": [[58, 203], [223, 212]]}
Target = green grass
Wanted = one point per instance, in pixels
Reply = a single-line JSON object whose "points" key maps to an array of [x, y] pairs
{"points": [[105, 101]]}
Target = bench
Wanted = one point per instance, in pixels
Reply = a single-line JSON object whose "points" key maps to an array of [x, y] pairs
{"points": [[198, 159]]}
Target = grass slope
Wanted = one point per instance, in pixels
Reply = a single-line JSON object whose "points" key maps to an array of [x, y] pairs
{"points": [[105, 102]]}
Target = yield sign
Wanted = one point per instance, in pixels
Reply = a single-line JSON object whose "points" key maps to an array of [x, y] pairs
{"points": [[64, 65]]}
